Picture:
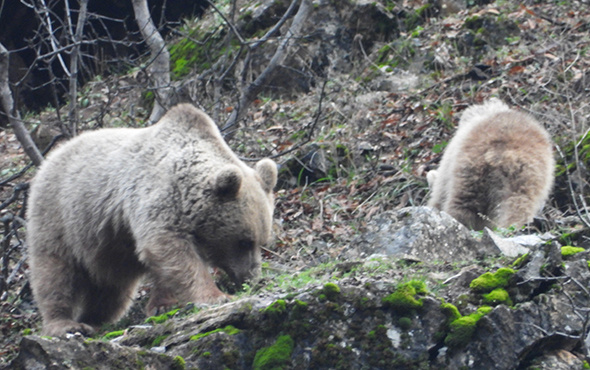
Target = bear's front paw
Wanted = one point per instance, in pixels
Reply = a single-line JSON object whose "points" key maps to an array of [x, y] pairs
{"points": [[58, 328], [160, 303], [211, 297]]}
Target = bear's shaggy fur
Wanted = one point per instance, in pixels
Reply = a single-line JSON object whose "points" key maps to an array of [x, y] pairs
{"points": [[167, 201], [497, 170]]}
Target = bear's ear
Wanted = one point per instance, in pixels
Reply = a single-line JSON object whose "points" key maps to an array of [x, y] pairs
{"points": [[228, 181], [267, 170]]}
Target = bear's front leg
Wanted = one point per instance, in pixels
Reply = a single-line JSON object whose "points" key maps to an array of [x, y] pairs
{"points": [[179, 275]]}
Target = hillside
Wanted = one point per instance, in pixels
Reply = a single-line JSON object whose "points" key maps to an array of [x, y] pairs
{"points": [[358, 111]]}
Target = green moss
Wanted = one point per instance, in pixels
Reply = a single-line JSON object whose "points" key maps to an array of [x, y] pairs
{"points": [[462, 329], [586, 365], [498, 296], [404, 298], [490, 281], [161, 318], [420, 286], [569, 250], [27, 331], [450, 311], [206, 354], [158, 340], [300, 304], [484, 310], [405, 323], [299, 309], [331, 291], [114, 334], [200, 50], [178, 363], [276, 308], [519, 261], [230, 330], [276, 356]]}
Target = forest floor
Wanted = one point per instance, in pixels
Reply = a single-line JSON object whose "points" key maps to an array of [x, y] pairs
{"points": [[375, 146]]}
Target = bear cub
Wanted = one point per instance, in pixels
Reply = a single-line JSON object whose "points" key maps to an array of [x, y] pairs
{"points": [[166, 202], [496, 171]]}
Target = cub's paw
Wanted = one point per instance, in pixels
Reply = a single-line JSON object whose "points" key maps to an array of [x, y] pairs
{"points": [[59, 328]]}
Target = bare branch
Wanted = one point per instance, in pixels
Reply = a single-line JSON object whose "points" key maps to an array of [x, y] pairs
{"points": [[276, 27], [584, 220], [230, 24], [250, 93]]}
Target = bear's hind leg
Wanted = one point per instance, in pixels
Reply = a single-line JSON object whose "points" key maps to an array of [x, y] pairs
{"points": [[53, 284], [468, 204], [515, 210], [106, 303]]}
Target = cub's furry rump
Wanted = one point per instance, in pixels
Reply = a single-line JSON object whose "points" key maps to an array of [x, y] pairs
{"points": [[496, 171]]}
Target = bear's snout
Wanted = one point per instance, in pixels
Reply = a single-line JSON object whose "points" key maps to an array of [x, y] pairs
{"points": [[244, 272]]}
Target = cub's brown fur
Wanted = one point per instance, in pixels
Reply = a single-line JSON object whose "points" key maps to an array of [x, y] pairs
{"points": [[497, 170], [166, 201]]}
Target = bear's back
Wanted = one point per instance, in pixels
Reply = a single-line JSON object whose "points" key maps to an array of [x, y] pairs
{"points": [[504, 139], [503, 162]]}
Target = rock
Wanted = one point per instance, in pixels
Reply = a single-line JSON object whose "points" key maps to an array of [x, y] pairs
{"points": [[421, 233], [508, 247], [368, 317], [79, 352], [337, 37], [558, 360]]}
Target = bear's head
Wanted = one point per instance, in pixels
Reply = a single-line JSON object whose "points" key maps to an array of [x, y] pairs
{"points": [[239, 220]]}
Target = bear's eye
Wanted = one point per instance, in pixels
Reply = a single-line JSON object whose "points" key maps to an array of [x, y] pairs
{"points": [[246, 244]]}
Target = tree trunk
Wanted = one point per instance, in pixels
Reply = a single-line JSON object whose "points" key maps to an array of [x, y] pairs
{"points": [[159, 69], [17, 125], [76, 38]]}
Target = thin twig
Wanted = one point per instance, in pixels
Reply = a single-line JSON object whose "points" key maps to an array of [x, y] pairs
{"points": [[571, 188], [230, 24]]}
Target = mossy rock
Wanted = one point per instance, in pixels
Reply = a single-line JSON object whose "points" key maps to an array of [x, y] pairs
{"points": [[461, 330], [404, 298], [331, 291], [161, 318], [229, 330], [490, 281], [498, 296], [451, 311], [569, 250], [276, 356]]}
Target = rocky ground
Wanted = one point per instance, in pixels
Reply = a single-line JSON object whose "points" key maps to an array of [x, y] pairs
{"points": [[378, 89]]}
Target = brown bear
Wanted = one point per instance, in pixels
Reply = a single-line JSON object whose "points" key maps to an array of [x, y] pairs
{"points": [[496, 171], [167, 201]]}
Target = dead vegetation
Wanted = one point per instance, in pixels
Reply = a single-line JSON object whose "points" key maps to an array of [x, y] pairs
{"points": [[351, 145]]}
